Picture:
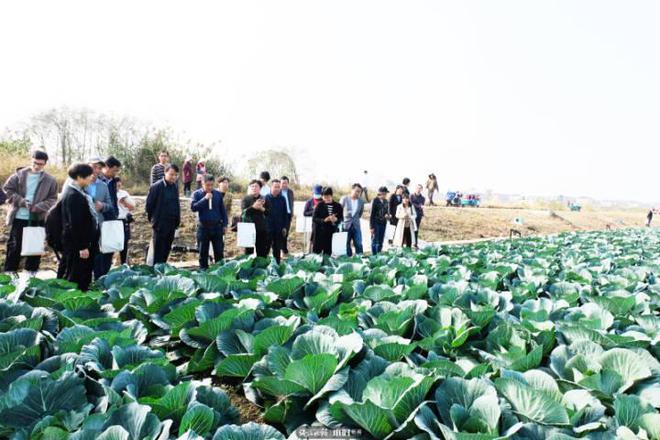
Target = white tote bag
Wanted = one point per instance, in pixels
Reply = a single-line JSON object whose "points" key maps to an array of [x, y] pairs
{"points": [[339, 240], [365, 229], [112, 236], [246, 235], [390, 230], [34, 241], [303, 224]]}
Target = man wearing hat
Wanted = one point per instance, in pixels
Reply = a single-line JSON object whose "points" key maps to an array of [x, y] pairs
{"points": [[310, 204], [105, 210], [380, 215]]}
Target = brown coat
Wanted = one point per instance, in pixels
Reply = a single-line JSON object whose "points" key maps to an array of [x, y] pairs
{"points": [[44, 197]]}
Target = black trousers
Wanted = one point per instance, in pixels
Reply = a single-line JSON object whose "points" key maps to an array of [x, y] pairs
{"points": [[206, 237], [163, 238], [285, 247], [123, 255], [418, 220], [262, 243], [14, 244], [278, 244], [78, 270], [407, 238]]}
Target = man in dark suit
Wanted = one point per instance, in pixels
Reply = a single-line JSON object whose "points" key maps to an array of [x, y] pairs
{"points": [[164, 212], [287, 193]]}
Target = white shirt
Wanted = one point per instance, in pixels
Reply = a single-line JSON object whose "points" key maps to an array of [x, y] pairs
{"points": [[285, 193], [354, 206], [265, 190], [123, 195]]}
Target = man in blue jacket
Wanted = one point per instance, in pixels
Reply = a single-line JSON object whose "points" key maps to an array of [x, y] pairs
{"points": [[210, 206], [278, 219], [105, 210]]}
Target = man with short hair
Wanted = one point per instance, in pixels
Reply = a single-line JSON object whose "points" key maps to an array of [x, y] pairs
{"points": [[207, 202], [109, 173], [227, 199], [287, 193], [406, 186], [380, 215], [164, 212], [278, 219], [255, 209], [31, 192], [353, 207], [105, 209], [418, 200], [80, 233], [158, 170], [264, 177]]}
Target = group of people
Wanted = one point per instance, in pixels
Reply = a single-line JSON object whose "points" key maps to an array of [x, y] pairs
{"points": [[403, 211], [93, 194], [269, 205]]}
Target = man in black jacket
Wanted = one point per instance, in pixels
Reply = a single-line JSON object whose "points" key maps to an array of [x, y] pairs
{"points": [[287, 193], [255, 209], [164, 212], [278, 219], [378, 220], [80, 236]]}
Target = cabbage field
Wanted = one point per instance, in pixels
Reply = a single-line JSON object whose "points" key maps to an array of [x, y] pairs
{"points": [[534, 338]]}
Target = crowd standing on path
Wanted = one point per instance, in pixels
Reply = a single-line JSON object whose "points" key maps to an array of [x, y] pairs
{"points": [[94, 195]]}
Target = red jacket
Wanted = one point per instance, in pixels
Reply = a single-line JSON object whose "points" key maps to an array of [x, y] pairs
{"points": [[187, 172]]}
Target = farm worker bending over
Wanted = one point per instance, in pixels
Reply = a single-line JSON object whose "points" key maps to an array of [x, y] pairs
{"points": [[353, 207], [405, 227], [325, 222], [164, 212], [278, 218], [255, 210], [208, 203]]}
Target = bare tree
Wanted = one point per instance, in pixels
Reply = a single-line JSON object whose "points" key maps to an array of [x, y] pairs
{"points": [[277, 162]]}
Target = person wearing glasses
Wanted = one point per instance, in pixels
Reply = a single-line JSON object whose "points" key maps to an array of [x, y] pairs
{"points": [[31, 191]]}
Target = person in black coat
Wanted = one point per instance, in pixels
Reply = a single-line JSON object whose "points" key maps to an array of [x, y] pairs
{"points": [[278, 219], [395, 201], [326, 220], [80, 235], [256, 209], [164, 212]]}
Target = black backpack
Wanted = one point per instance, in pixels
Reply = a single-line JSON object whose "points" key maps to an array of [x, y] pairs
{"points": [[54, 227]]}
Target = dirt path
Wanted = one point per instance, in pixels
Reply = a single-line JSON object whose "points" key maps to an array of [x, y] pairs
{"points": [[440, 224]]}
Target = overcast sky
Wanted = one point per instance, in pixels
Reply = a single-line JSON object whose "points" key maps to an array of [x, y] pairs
{"points": [[539, 97]]}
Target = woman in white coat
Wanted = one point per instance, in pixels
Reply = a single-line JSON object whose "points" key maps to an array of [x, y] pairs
{"points": [[406, 225]]}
